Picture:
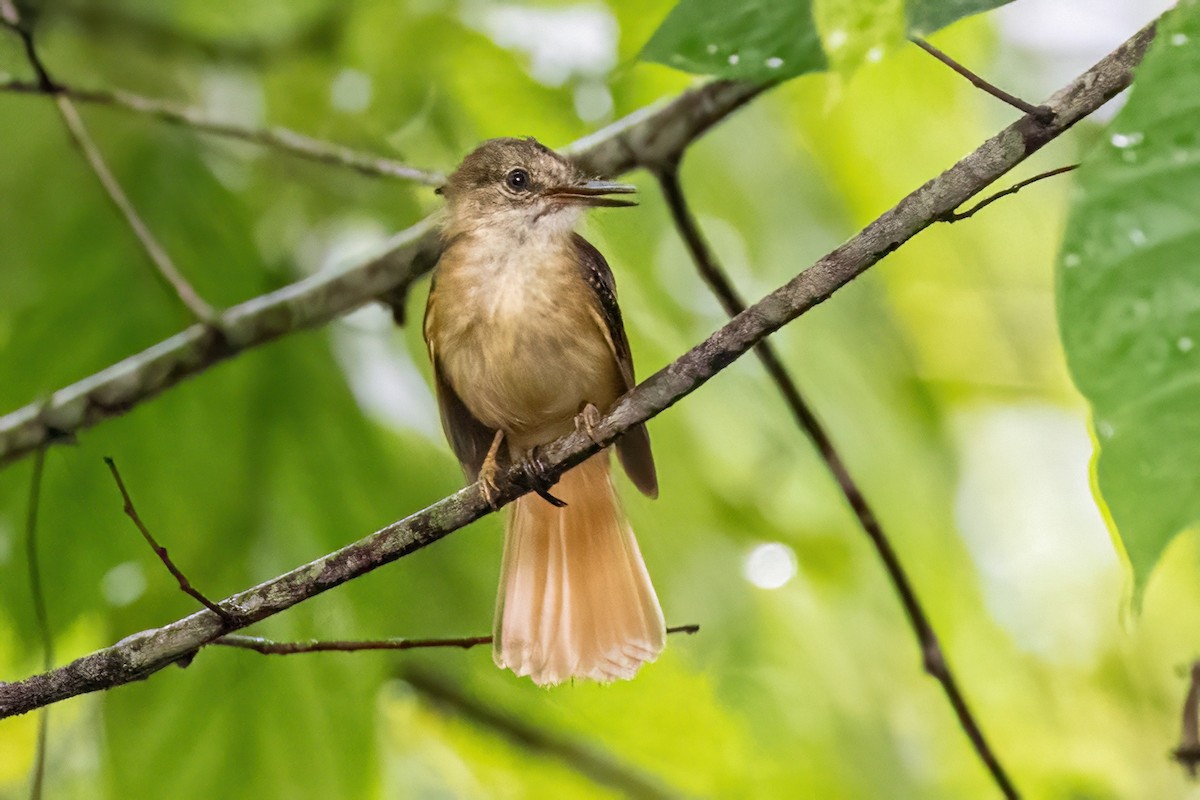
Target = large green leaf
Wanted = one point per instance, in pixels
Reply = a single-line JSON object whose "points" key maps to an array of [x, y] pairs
{"points": [[1129, 298], [757, 40], [768, 40], [927, 16]]}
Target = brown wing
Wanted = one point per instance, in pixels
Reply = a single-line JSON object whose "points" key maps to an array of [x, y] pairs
{"points": [[469, 438], [633, 448]]}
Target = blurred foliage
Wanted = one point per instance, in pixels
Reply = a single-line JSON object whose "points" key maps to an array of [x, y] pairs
{"points": [[927, 16], [1129, 292], [758, 41], [766, 40], [938, 373]]}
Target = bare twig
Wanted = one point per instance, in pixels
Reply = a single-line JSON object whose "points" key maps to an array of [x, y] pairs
{"points": [[933, 658], [1043, 114], [643, 138], [277, 138], [1188, 751], [166, 268], [183, 290], [40, 614], [269, 647], [142, 654], [160, 551], [954, 216], [587, 761]]}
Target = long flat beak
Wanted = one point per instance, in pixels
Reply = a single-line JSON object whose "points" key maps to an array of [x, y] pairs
{"points": [[592, 193]]}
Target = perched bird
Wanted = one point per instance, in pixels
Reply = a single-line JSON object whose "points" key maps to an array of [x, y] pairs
{"points": [[527, 344]]}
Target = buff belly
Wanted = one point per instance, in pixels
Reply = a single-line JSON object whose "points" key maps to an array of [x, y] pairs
{"points": [[526, 362]]}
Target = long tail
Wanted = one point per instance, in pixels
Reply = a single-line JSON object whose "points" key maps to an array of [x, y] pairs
{"points": [[575, 599]]}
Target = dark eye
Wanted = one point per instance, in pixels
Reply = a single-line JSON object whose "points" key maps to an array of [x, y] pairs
{"points": [[518, 180]]}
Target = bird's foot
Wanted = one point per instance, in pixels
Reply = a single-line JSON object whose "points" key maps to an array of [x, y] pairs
{"points": [[587, 420], [489, 471], [536, 476]]}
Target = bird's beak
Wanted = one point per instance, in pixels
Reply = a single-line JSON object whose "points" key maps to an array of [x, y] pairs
{"points": [[593, 193]]}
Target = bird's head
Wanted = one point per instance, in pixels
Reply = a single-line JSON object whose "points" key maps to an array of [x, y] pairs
{"points": [[521, 183]]}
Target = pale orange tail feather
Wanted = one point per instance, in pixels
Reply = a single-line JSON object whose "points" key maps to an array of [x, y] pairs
{"points": [[575, 599]]}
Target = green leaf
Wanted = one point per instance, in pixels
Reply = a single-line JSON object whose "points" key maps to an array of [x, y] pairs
{"points": [[1129, 298], [927, 16], [758, 40]]}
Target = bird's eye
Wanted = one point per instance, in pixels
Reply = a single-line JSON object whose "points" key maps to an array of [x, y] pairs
{"points": [[517, 180]]}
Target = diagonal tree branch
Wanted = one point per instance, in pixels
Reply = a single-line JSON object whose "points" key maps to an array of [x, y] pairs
{"points": [[78, 131], [932, 657], [645, 138], [277, 138], [144, 653]]}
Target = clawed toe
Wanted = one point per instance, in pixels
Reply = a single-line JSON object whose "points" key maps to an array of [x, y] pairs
{"points": [[586, 422], [488, 485], [488, 472], [536, 476]]}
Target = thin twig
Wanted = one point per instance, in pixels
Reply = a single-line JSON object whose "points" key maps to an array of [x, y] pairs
{"points": [[138, 656], [269, 647], [587, 761], [184, 584], [187, 295], [954, 216], [166, 268], [1188, 751], [1043, 114], [40, 614], [282, 139], [934, 659]]}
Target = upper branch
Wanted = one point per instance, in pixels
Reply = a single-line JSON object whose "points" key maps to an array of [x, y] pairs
{"points": [[645, 138], [282, 139], [78, 132], [144, 653]]}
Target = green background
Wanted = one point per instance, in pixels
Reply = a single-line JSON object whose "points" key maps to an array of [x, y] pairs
{"points": [[940, 375]]}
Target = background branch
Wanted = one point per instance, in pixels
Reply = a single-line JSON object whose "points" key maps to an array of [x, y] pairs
{"points": [[1187, 754], [585, 760], [268, 647], [648, 137], [282, 139], [184, 584], [144, 653], [40, 615], [932, 656], [955, 216], [1041, 113], [78, 131], [125, 27]]}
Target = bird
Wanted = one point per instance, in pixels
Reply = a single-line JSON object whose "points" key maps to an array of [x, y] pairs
{"points": [[527, 344]]}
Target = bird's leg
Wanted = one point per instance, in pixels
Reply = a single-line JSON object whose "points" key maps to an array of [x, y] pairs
{"points": [[489, 470], [587, 420], [534, 473]]}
